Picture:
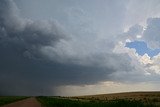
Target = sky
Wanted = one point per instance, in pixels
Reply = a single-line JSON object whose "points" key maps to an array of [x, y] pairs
{"points": [[75, 47], [141, 48]]}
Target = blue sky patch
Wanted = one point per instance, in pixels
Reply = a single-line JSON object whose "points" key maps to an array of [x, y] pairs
{"points": [[141, 48]]}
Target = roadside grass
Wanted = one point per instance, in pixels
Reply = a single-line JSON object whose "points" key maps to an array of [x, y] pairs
{"points": [[9, 99], [66, 102]]}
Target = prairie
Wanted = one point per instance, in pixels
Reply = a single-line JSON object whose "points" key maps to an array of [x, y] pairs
{"points": [[128, 99], [144, 97], [10, 99]]}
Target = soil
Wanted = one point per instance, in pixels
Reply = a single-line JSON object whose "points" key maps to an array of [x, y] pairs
{"points": [[29, 102]]}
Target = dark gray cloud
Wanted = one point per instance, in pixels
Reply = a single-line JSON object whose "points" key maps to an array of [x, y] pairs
{"points": [[37, 56], [35, 77], [131, 33], [151, 34], [21, 62], [135, 30], [29, 35]]}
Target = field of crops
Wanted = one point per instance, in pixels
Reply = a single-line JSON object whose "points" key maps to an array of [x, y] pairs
{"points": [[66, 102], [9, 99]]}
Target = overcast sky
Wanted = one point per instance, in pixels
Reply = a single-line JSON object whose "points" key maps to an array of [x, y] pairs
{"points": [[75, 47]]}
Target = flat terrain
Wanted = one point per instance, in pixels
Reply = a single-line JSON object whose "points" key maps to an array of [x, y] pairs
{"points": [[145, 97], [29, 102], [10, 99], [126, 95], [128, 99]]}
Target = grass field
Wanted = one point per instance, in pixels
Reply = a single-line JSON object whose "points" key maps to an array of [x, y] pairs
{"points": [[132, 99], [9, 99], [62, 102], [147, 98]]}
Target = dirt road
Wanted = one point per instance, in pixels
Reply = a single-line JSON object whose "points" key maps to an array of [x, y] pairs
{"points": [[29, 102]]}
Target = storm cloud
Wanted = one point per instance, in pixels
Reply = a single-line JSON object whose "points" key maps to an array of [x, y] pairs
{"points": [[36, 56], [153, 28]]}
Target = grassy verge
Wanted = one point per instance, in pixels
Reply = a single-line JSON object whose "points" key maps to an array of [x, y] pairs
{"points": [[9, 99], [64, 102]]}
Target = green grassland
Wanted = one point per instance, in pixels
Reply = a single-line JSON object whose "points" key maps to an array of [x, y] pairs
{"points": [[67, 102], [130, 99], [147, 98], [9, 99]]}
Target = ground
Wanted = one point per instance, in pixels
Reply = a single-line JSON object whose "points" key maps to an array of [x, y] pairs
{"points": [[29, 102]]}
